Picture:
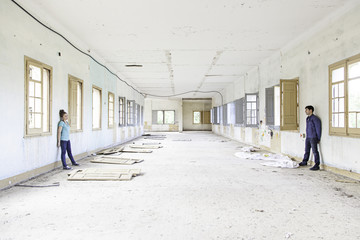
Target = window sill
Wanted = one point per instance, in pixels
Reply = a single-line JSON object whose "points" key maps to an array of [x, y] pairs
{"points": [[76, 131], [353, 135], [37, 135]]}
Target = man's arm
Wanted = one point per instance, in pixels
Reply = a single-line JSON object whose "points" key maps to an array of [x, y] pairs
{"points": [[317, 124]]}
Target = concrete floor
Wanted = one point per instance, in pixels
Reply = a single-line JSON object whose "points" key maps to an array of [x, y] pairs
{"points": [[189, 190]]}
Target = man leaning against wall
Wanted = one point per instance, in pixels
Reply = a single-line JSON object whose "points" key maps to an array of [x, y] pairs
{"points": [[313, 135]]}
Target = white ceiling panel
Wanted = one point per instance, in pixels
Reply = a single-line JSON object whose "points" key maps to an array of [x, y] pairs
{"points": [[141, 67], [192, 57], [228, 70], [221, 79], [132, 75], [182, 42], [246, 58]]}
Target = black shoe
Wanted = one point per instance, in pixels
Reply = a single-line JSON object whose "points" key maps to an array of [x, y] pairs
{"points": [[67, 168], [315, 168], [303, 163], [75, 164]]}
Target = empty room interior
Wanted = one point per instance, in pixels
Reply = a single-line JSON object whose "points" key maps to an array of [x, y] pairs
{"points": [[218, 119]]}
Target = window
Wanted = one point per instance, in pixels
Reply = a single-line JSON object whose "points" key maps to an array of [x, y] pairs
{"points": [[163, 117], [111, 106], [212, 116], [138, 114], [251, 112], [196, 117], [96, 108], [289, 104], [219, 114], [142, 116], [215, 115], [344, 97], [239, 111], [272, 108], [201, 117], [38, 96], [130, 112], [75, 102], [122, 111], [230, 113], [225, 114]]}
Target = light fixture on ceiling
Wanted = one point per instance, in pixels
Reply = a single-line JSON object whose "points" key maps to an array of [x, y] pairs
{"points": [[133, 65]]}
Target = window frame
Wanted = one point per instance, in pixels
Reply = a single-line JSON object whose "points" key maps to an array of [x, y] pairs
{"points": [[122, 112], [163, 120], [70, 104], [256, 110], [130, 112], [272, 105], [215, 116], [109, 110], [225, 115], [346, 130], [27, 131], [193, 116], [239, 112], [138, 114], [92, 98]]}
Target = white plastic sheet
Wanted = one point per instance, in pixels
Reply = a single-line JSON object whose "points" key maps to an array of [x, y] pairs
{"points": [[273, 160]]}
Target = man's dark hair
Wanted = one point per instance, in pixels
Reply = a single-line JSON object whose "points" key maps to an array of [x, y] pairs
{"points": [[310, 108]]}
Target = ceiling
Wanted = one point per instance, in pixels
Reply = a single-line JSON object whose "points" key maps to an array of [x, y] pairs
{"points": [[178, 46]]}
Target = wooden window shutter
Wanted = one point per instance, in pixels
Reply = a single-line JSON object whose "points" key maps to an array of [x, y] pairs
{"points": [[288, 103], [154, 117], [239, 111], [206, 117], [269, 95], [73, 103]]}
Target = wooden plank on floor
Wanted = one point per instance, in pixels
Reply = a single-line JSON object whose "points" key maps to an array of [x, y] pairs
{"points": [[111, 150], [115, 160], [100, 174], [145, 146], [151, 143], [137, 151]]}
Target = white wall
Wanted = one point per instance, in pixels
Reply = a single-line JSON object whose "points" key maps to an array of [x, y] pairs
{"points": [[152, 104], [189, 106], [21, 36], [308, 58]]}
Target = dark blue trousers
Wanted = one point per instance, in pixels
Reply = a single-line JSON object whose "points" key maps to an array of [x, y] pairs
{"points": [[66, 147], [311, 143]]}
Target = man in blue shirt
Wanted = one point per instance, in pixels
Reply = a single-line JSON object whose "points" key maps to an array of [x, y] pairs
{"points": [[313, 135]]}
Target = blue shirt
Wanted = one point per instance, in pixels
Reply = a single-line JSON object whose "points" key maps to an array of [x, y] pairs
{"points": [[65, 131], [313, 127]]}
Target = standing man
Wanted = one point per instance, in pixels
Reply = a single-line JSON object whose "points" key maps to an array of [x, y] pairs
{"points": [[313, 135]]}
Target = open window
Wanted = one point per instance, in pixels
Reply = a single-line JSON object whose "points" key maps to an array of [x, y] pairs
{"points": [[130, 112], [38, 82], [111, 106], [201, 117], [272, 107], [122, 111], [344, 97], [96, 107], [239, 111], [163, 117], [75, 103]]}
